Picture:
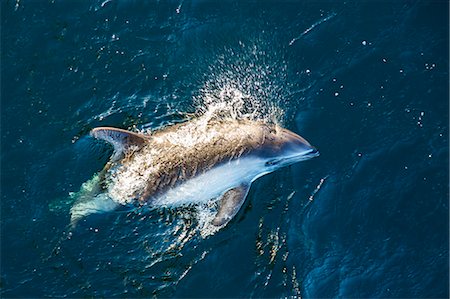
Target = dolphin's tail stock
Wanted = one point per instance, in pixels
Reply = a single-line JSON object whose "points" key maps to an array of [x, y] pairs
{"points": [[101, 203], [89, 200]]}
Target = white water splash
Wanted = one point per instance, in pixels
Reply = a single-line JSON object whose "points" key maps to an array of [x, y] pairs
{"points": [[229, 101], [205, 215], [246, 82]]}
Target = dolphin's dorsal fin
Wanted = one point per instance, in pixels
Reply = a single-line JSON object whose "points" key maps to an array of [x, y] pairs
{"points": [[230, 204], [120, 139]]}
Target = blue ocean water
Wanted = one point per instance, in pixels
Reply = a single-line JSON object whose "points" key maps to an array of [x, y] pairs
{"points": [[366, 82]]}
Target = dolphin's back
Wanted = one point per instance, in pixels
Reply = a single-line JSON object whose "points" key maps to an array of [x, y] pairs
{"points": [[197, 154]]}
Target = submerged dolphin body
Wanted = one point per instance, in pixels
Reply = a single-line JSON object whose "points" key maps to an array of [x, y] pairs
{"points": [[192, 162]]}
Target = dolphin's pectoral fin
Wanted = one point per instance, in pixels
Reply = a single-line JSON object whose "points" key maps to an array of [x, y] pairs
{"points": [[230, 204], [122, 140]]}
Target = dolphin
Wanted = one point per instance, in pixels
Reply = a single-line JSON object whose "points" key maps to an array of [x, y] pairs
{"points": [[190, 163]]}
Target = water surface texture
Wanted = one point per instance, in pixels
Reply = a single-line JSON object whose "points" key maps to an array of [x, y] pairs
{"points": [[365, 82]]}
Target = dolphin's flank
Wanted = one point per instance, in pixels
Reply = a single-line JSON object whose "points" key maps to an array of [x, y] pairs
{"points": [[191, 163]]}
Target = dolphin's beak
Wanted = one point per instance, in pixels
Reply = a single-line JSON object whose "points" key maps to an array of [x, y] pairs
{"points": [[298, 144]]}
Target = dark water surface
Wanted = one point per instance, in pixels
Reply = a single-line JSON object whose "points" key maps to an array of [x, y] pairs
{"points": [[365, 82]]}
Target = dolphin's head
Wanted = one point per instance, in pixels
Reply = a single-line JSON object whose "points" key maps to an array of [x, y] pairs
{"points": [[281, 147]]}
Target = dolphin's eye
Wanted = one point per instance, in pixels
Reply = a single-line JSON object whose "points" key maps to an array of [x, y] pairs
{"points": [[273, 162]]}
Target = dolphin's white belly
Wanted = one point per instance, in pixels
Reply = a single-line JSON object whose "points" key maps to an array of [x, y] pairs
{"points": [[214, 182]]}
